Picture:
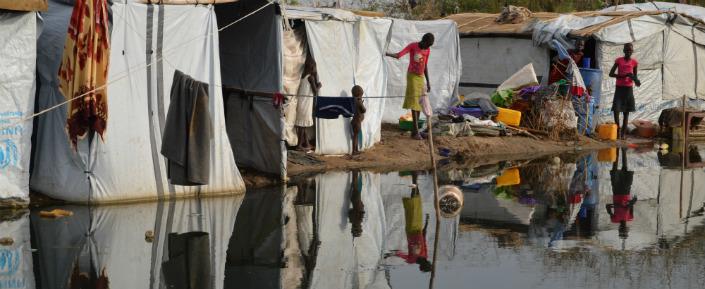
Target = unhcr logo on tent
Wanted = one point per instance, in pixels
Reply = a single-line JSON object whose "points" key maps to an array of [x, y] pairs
{"points": [[8, 156]]}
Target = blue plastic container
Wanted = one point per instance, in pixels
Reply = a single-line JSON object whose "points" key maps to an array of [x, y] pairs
{"points": [[586, 62]]}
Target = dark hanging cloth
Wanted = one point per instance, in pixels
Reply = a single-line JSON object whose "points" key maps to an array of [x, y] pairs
{"points": [[189, 264], [187, 132], [488, 108], [333, 107]]}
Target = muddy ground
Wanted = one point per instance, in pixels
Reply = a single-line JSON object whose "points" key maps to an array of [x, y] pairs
{"points": [[397, 152]]}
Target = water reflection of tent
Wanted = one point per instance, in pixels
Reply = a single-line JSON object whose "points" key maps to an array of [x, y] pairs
{"points": [[344, 262], [16, 269], [113, 238], [664, 218], [484, 207]]}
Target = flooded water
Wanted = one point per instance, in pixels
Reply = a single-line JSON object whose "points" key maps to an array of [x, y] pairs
{"points": [[581, 222]]}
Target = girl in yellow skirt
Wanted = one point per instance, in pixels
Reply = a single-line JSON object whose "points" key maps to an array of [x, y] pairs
{"points": [[418, 60]]}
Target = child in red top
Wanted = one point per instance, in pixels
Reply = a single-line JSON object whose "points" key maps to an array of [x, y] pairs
{"points": [[415, 229], [625, 70], [418, 60]]}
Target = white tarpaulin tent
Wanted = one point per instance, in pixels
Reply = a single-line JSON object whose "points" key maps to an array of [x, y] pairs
{"points": [[667, 37], [444, 64], [128, 165], [349, 54], [348, 49], [112, 239], [18, 53]]}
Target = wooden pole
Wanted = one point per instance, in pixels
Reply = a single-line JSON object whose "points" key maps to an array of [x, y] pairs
{"points": [[429, 125], [684, 155]]}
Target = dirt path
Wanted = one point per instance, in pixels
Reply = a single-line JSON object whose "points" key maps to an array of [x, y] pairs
{"points": [[398, 152]]}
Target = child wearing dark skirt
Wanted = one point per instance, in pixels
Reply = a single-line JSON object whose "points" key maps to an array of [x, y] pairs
{"points": [[625, 71]]}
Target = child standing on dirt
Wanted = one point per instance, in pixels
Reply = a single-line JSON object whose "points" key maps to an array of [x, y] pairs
{"points": [[418, 54], [357, 119], [625, 71]]}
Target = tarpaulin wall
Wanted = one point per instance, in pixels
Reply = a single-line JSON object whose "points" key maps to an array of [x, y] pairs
{"points": [[669, 65], [113, 239], [128, 165], [491, 60], [18, 36], [250, 59], [444, 64], [348, 54]]}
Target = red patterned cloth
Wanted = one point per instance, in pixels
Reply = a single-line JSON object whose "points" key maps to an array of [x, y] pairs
{"points": [[84, 68]]}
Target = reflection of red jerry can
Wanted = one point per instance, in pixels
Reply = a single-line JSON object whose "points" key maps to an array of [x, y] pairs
{"points": [[575, 198]]}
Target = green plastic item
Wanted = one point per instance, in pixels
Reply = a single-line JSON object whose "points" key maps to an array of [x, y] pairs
{"points": [[503, 98]]}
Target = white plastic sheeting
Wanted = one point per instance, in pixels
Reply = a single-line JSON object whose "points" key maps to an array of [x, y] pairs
{"points": [[112, 238], [545, 32], [127, 165], [16, 270], [690, 10], [649, 96], [632, 30], [348, 54], [18, 43], [444, 64], [491, 60]]}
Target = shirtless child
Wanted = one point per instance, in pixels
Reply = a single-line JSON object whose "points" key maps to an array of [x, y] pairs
{"points": [[357, 119]]}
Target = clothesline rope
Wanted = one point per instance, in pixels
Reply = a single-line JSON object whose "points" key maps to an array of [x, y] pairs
{"points": [[129, 70], [246, 91]]}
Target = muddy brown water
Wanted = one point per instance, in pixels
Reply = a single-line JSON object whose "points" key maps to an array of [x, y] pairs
{"points": [[556, 224]]}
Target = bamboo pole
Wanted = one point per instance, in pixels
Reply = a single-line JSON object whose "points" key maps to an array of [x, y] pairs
{"points": [[684, 154], [429, 124], [185, 2]]}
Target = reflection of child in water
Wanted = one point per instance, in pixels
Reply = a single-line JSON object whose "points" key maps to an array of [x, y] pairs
{"points": [[622, 208], [357, 213], [415, 230]]}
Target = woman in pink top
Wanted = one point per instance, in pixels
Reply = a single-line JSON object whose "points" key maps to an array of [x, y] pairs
{"points": [[624, 69], [418, 56]]}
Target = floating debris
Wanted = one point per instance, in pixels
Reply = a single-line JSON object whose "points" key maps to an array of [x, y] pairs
{"points": [[54, 214], [6, 241]]}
